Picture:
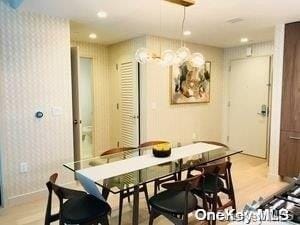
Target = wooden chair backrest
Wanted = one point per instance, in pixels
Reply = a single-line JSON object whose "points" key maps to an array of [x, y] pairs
{"points": [[152, 143], [213, 143], [49, 217], [184, 185], [222, 170], [217, 168], [116, 151]]}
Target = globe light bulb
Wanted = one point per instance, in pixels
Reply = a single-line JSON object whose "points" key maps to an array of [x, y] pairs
{"points": [[168, 57], [183, 54], [197, 60], [142, 55]]}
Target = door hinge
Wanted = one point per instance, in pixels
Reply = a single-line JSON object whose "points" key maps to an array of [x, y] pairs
{"points": [[117, 106], [118, 144], [117, 66], [228, 104], [227, 138]]}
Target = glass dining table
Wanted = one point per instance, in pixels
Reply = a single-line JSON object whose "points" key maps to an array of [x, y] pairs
{"points": [[131, 169]]}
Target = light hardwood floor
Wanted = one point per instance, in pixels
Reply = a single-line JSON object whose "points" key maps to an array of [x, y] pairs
{"points": [[250, 180]]}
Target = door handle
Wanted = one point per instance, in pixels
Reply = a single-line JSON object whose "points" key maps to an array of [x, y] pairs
{"points": [[135, 117], [261, 114], [294, 138]]}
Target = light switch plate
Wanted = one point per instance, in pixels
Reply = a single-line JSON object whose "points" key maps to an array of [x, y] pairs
{"points": [[23, 167]]}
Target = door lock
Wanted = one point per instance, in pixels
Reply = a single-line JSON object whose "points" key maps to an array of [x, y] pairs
{"points": [[264, 110], [76, 121]]}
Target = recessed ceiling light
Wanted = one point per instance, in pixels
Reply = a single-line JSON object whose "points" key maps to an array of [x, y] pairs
{"points": [[102, 14], [93, 36], [244, 40], [187, 33]]}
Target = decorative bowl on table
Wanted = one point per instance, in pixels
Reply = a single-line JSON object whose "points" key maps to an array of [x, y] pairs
{"points": [[162, 150]]}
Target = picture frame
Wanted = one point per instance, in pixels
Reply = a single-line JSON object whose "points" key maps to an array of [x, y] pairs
{"points": [[190, 85]]}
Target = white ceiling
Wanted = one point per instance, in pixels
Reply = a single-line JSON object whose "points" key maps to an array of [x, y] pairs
{"points": [[207, 19]]}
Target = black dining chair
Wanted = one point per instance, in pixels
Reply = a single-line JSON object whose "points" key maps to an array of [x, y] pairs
{"points": [[160, 181], [176, 202], [126, 191], [217, 179], [75, 207]]}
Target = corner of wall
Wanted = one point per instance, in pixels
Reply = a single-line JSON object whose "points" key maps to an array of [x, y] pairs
{"points": [[276, 99]]}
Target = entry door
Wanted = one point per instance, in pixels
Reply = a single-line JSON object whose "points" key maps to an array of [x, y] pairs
{"points": [[249, 105], [129, 104]]}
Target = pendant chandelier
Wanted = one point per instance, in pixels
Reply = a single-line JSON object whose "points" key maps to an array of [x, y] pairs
{"points": [[169, 57]]}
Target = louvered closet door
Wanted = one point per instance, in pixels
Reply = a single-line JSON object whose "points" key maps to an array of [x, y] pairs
{"points": [[129, 112]]}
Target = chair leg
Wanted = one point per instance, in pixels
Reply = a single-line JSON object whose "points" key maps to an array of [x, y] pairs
{"points": [[155, 188], [128, 197], [232, 196], [105, 193], [153, 215], [219, 201], [146, 196], [121, 206], [175, 177], [104, 221], [179, 175], [214, 206]]}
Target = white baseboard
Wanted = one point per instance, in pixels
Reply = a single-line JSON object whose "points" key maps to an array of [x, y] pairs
{"points": [[274, 177], [31, 197]]}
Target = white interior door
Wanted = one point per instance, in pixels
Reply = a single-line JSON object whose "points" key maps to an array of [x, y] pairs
{"points": [[248, 105], [129, 104], [85, 86]]}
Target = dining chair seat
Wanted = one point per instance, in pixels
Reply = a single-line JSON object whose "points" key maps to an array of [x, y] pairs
{"points": [[172, 202], [84, 209], [75, 207]]}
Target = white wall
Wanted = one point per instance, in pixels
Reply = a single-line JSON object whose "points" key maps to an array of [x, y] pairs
{"points": [[34, 75], [276, 99], [177, 123]]}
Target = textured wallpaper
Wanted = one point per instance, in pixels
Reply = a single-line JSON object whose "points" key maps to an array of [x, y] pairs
{"points": [[186, 122], [34, 75]]}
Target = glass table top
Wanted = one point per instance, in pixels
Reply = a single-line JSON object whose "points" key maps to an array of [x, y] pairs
{"points": [[124, 181]]}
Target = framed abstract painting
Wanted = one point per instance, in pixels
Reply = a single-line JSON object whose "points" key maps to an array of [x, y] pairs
{"points": [[190, 84]]}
